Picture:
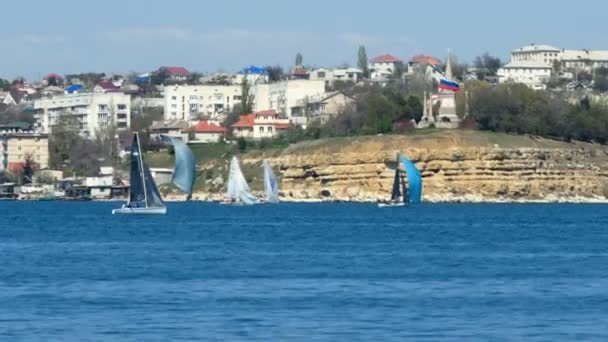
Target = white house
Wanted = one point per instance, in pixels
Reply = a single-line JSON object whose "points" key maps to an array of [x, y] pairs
{"points": [[338, 74], [324, 107], [206, 132], [92, 111], [384, 66], [263, 124], [533, 74]]}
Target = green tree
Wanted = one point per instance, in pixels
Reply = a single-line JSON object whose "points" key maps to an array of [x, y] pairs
{"points": [[62, 139], [4, 84], [299, 60], [362, 61], [247, 97], [487, 65], [242, 144], [275, 73]]}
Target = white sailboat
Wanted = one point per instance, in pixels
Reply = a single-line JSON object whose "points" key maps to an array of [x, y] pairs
{"points": [[238, 192], [144, 197], [271, 187]]}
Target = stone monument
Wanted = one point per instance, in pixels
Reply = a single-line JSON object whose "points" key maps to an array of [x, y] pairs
{"points": [[447, 117]]}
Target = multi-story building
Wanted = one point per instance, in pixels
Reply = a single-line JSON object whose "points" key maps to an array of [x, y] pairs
{"points": [[20, 143], [283, 96], [384, 66], [339, 74], [91, 111], [192, 102], [534, 64]]}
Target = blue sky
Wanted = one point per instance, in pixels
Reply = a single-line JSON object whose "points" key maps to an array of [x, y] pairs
{"points": [[68, 36]]}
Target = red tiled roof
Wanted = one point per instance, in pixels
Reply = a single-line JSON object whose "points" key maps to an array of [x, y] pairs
{"points": [[107, 85], [206, 127], [16, 166], [386, 59], [422, 59], [300, 72], [267, 112], [176, 71], [53, 75], [245, 121]]}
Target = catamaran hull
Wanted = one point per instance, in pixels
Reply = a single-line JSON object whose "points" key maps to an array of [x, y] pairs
{"points": [[391, 205], [140, 211]]}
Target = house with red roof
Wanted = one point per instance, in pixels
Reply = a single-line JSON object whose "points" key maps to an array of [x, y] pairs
{"points": [[52, 79], [105, 87], [300, 74], [260, 125], [384, 66], [178, 74], [206, 131]]}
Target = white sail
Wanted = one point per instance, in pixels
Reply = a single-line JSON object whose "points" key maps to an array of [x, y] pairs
{"points": [[271, 187], [238, 189]]}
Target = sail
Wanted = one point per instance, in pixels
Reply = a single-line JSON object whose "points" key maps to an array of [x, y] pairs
{"points": [[136, 188], [237, 184], [184, 173], [414, 180], [153, 198], [396, 185], [271, 186]]}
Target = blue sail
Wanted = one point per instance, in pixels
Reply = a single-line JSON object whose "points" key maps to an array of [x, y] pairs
{"points": [[184, 173], [414, 180]]}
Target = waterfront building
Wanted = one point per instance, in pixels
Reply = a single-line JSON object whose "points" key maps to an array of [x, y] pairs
{"points": [[384, 66], [20, 142], [193, 102], [263, 124]]}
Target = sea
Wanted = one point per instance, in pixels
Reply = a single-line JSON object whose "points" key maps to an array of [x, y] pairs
{"points": [[72, 271]]}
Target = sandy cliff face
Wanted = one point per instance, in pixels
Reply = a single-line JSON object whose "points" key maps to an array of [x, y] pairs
{"points": [[454, 168]]}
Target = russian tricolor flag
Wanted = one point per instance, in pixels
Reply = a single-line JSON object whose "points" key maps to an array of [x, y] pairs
{"points": [[449, 85]]}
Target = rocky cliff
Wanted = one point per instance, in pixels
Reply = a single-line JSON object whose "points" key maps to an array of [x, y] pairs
{"points": [[455, 165]]}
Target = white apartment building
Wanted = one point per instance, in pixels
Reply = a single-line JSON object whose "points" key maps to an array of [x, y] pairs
{"points": [[283, 96], [533, 74], [93, 111], [190, 102], [534, 64]]}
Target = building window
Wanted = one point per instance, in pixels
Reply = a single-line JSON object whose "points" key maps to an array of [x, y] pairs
{"points": [[19, 148], [173, 98], [261, 129], [121, 107], [103, 108]]}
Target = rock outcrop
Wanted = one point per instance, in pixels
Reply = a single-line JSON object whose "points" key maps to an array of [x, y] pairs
{"points": [[453, 167]]}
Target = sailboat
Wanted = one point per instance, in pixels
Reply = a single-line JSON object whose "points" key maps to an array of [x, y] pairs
{"points": [[144, 197], [238, 190], [400, 195], [184, 173], [271, 187]]}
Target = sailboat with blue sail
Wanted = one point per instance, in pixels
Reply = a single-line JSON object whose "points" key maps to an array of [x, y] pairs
{"points": [[144, 197], [271, 186], [402, 195], [184, 173]]}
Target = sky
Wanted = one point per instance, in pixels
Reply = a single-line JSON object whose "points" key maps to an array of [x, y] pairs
{"points": [[120, 36]]}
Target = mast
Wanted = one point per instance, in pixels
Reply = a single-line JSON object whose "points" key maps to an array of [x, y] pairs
{"points": [[141, 169]]}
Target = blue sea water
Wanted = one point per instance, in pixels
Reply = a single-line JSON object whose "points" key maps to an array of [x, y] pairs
{"points": [[304, 272]]}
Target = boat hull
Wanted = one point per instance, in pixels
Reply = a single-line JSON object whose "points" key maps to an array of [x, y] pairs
{"points": [[140, 211], [391, 205]]}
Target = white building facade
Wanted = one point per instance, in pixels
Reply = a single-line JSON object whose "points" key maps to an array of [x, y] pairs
{"points": [[384, 66], [191, 102], [283, 96], [91, 111]]}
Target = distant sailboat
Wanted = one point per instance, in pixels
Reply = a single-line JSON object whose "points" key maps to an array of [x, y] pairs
{"points": [[184, 173], [271, 186], [401, 195], [144, 197], [238, 189]]}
